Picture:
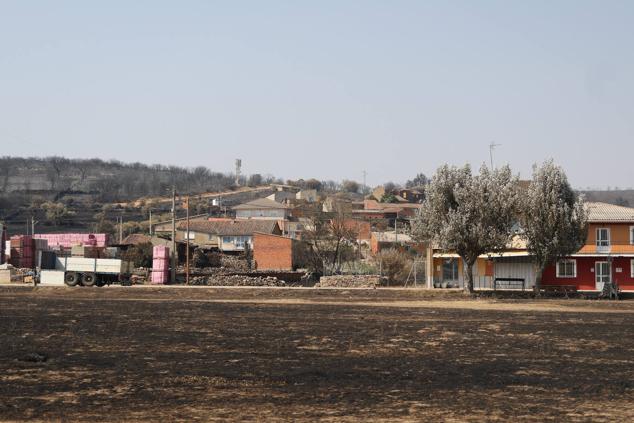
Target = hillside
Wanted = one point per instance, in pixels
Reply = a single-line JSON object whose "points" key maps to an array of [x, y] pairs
{"points": [[111, 181], [92, 194]]}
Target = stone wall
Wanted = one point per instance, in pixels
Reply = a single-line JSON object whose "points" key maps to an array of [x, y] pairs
{"points": [[351, 281]]}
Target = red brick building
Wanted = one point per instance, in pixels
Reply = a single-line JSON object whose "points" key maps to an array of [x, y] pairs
{"points": [[275, 252]]}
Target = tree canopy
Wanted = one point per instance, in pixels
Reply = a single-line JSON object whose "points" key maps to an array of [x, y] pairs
{"points": [[469, 214]]}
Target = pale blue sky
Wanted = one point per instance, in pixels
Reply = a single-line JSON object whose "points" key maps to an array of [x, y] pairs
{"points": [[324, 88]]}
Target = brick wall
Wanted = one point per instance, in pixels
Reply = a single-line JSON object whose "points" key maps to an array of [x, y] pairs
{"points": [[272, 252]]}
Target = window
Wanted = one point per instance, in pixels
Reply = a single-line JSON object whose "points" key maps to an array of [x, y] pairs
{"points": [[240, 240], [567, 269], [191, 235], [602, 271], [632, 235], [450, 270], [603, 237], [227, 240], [632, 268]]}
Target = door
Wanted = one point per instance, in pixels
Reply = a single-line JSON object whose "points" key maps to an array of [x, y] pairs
{"points": [[602, 274], [450, 271]]}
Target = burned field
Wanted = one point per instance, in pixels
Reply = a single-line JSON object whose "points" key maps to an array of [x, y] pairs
{"points": [[120, 354]]}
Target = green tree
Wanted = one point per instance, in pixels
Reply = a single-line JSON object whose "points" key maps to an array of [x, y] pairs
{"points": [[469, 214], [553, 218]]}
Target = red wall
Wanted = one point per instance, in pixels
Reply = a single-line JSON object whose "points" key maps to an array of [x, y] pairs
{"points": [[585, 273], [272, 252]]}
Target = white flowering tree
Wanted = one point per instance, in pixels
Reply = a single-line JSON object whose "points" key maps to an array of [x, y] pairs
{"points": [[469, 214], [553, 218]]}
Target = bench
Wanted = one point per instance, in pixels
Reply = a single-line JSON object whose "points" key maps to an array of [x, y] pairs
{"points": [[510, 283]]}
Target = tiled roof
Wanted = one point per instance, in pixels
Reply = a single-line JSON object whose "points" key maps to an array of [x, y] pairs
{"points": [[604, 212], [231, 227], [260, 203], [135, 239]]}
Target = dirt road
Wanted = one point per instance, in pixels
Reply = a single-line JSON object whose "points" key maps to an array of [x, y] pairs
{"points": [[339, 355]]}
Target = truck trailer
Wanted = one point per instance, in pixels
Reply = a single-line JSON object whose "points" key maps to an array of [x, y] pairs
{"points": [[92, 271]]}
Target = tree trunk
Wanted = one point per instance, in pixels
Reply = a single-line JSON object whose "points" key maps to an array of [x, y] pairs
{"points": [[539, 271], [468, 287]]}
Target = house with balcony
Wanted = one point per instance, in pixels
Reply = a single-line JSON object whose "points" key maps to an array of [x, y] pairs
{"points": [[607, 256]]}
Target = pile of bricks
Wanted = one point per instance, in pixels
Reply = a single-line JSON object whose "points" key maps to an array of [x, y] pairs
{"points": [[351, 281], [22, 251]]}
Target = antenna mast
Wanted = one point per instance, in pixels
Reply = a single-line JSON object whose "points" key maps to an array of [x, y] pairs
{"points": [[491, 148]]}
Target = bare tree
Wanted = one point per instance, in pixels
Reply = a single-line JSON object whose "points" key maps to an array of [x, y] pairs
{"points": [[471, 215], [328, 235], [553, 218], [350, 186]]}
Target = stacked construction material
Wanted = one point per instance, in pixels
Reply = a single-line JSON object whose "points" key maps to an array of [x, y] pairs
{"points": [[70, 239], [160, 264], [22, 251]]}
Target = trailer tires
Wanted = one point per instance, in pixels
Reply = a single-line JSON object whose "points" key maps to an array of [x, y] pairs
{"points": [[89, 279], [71, 278]]}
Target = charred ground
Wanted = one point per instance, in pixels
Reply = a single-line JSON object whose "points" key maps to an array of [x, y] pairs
{"points": [[122, 354]]}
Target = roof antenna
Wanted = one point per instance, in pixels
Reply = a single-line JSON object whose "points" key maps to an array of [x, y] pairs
{"points": [[491, 148]]}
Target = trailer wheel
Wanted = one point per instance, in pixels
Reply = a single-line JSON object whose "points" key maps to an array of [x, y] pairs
{"points": [[71, 278], [89, 279]]}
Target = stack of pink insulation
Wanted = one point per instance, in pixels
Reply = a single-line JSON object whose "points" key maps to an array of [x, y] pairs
{"points": [[160, 264], [68, 240]]}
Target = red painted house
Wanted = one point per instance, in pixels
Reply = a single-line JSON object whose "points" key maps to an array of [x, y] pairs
{"points": [[607, 256]]}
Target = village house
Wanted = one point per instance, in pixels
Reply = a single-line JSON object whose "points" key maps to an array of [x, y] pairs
{"points": [[510, 268], [391, 239], [165, 227], [607, 256], [262, 208], [226, 235]]}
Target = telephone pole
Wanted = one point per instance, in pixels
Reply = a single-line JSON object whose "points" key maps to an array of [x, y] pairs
{"points": [[187, 243], [491, 148], [173, 235]]}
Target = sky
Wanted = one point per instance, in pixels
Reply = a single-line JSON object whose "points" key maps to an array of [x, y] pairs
{"points": [[323, 89]]}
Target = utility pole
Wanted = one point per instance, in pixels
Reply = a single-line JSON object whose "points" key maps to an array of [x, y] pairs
{"points": [[187, 243], [121, 229], [173, 234], [150, 225], [396, 229], [491, 148], [33, 222]]}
